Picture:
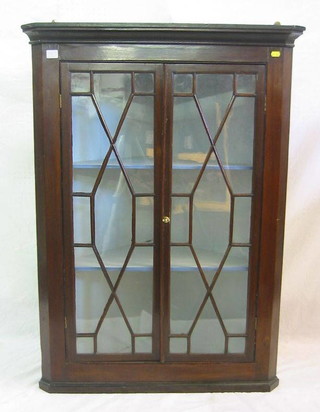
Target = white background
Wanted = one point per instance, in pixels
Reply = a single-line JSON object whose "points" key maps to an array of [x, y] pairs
{"points": [[299, 361]]}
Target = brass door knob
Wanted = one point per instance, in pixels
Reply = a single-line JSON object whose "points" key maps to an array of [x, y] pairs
{"points": [[166, 219]]}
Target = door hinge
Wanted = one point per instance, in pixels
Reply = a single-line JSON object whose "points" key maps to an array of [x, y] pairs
{"points": [[65, 322], [265, 104], [255, 323], [60, 101]]}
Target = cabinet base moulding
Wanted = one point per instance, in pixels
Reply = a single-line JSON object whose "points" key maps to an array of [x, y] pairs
{"points": [[158, 387]]}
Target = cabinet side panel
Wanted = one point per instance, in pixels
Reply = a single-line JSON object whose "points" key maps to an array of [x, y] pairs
{"points": [[40, 208], [273, 214], [48, 205]]}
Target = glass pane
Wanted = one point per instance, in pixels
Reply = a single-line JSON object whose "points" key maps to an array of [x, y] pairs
{"points": [[143, 344], [114, 335], [85, 259], [230, 294], [141, 179], [237, 345], [246, 83], [113, 218], [187, 292], [135, 294], [144, 83], [211, 216], [135, 141], [183, 179], [144, 219], [240, 178], [85, 345], [230, 291], [235, 143], [89, 143], [190, 140], [207, 336], [190, 144], [214, 92], [81, 220], [242, 220], [80, 82], [141, 259], [84, 178], [183, 83], [92, 293], [179, 219], [149, 145], [182, 258], [178, 345], [140, 176], [112, 91], [238, 259]]}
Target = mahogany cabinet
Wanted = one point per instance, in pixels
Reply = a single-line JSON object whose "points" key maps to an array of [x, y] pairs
{"points": [[161, 161]]}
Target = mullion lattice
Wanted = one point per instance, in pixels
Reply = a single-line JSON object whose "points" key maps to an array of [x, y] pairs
{"points": [[203, 168], [191, 196], [213, 149], [113, 288], [113, 141], [209, 293], [206, 161], [214, 140], [113, 295]]}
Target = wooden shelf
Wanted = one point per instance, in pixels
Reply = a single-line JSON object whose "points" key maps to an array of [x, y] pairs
{"points": [[142, 260], [142, 165]]}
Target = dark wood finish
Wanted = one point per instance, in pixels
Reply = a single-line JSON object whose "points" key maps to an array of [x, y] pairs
{"points": [[161, 52], [272, 35], [101, 44], [159, 387], [166, 204], [273, 209], [49, 212]]}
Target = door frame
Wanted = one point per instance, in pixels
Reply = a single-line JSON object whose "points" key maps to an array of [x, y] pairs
{"points": [[222, 68], [66, 149]]}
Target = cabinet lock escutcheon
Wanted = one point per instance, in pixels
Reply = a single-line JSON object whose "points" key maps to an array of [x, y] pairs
{"points": [[166, 219]]}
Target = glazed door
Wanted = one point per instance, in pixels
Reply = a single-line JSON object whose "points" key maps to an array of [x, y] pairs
{"points": [[111, 123], [215, 134], [162, 210]]}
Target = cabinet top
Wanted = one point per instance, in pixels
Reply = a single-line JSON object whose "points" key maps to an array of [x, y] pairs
{"points": [[155, 33]]}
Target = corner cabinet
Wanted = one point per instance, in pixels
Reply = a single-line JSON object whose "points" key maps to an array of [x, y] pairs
{"points": [[161, 161]]}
